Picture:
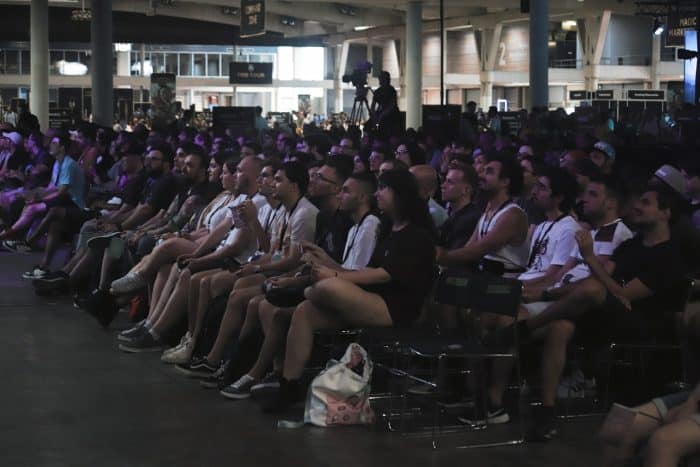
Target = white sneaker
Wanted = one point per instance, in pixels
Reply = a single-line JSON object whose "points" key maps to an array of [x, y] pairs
{"points": [[572, 387], [180, 354], [182, 342], [127, 284]]}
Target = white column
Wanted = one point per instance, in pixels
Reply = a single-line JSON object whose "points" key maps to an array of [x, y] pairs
{"points": [[414, 64], [102, 79], [655, 59], [123, 64], [486, 90], [341, 57], [539, 52], [39, 37]]}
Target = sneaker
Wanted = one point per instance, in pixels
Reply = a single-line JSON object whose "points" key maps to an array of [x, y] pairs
{"points": [[143, 343], [53, 276], [37, 272], [132, 282], [215, 380], [270, 381], [422, 389], [239, 389], [102, 241], [288, 394], [130, 334], [16, 246], [497, 416], [181, 353], [198, 367], [544, 426]]}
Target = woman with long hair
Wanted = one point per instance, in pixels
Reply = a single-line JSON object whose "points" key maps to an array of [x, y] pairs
{"points": [[389, 292]]}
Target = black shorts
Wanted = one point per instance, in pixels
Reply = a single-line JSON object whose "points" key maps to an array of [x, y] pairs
{"points": [[75, 216], [612, 321]]}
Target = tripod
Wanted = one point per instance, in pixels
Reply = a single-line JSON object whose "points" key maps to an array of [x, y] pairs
{"points": [[358, 106]]}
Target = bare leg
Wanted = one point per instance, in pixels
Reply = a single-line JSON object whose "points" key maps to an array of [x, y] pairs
{"points": [[331, 304], [159, 283], [232, 321], [586, 295], [670, 443], [558, 335], [199, 288], [176, 307], [198, 309], [52, 243], [29, 213], [162, 300], [165, 253], [276, 323], [74, 260], [53, 215]]}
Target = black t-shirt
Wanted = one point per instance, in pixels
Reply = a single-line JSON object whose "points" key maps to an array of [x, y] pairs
{"points": [[408, 255], [384, 96], [332, 232], [456, 231], [160, 191], [133, 190], [659, 268], [687, 237]]}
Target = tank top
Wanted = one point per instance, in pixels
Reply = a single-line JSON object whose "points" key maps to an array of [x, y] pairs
{"points": [[513, 257]]}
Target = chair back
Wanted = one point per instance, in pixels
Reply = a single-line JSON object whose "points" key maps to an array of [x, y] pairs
{"points": [[480, 292]]}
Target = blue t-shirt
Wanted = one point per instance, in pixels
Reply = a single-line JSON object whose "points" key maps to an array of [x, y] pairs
{"points": [[70, 174]]}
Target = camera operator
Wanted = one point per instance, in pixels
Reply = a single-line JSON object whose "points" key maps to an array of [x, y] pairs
{"points": [[384, 109]]}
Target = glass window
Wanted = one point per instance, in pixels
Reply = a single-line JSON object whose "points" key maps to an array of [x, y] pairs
{"points": [[54, 57], [26, 63], [158, 62], [171, 63], [199, 65], [12, 62], [135, 63], [71, 56], [185, 65], [225, 61], [213, 65]]}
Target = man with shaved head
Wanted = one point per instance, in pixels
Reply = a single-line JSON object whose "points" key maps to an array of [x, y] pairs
{"points": [[427, 184]]}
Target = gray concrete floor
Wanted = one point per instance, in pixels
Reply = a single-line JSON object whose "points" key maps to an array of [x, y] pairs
{"points": [[70, 398]]}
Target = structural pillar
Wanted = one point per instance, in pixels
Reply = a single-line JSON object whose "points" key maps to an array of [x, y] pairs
{"points": [[539, 53], [101, 46], [414, 64], [655, 59], [39, 37]]}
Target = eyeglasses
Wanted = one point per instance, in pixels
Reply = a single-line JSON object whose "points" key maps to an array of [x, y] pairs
{"points": [[398, 152], [333, 154]]}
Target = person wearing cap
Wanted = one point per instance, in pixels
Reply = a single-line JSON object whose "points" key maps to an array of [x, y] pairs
{"points": [[603, 155]]}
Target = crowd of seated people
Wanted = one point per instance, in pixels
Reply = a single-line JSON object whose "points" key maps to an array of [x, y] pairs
{"points": [[242, 251]]}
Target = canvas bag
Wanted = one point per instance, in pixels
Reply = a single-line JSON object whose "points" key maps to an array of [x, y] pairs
{"points": [[339, 395]]}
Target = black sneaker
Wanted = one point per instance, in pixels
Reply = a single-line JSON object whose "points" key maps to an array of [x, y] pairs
{"points": [[215, 380], [37, 272], [143, 343], [130, 334], [494, 416], [52, 276], [198, 367], [239, 389], [43, 287], [544, 424], [270, 381]]}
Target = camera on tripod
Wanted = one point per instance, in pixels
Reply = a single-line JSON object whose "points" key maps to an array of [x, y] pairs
{"points": [[358, 77]]}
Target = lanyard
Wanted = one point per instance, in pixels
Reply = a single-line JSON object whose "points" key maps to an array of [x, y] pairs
{"points": [[486, 225], [357, 231], [286, 222], [540, 241], [270, 217], [211, 213]]}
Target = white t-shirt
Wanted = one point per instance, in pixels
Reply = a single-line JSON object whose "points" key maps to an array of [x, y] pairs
{"points": [[247, 250], [297, 225], [362, 239], [268, 218], [605, 239], [437, 212], [551, 245], [218, 210]]}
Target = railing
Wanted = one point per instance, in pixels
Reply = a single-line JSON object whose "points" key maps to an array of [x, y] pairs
{"points": [[566, 63], [630, 60]]}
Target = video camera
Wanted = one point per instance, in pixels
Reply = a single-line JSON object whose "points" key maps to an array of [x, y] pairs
{"points": [[358, 77]]}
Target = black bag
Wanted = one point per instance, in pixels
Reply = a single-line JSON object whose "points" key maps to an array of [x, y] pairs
{"points": [[284, 297]]}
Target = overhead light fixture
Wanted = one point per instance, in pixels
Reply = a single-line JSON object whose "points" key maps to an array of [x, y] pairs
{"points": [[122, 47], [82, 14], [362, 28], [65, 68], [568, 25], [230, 10], [658, 26]]}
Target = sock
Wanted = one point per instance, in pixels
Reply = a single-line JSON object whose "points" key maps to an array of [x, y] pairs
{"points": [[147, 324], [153, 333]]}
